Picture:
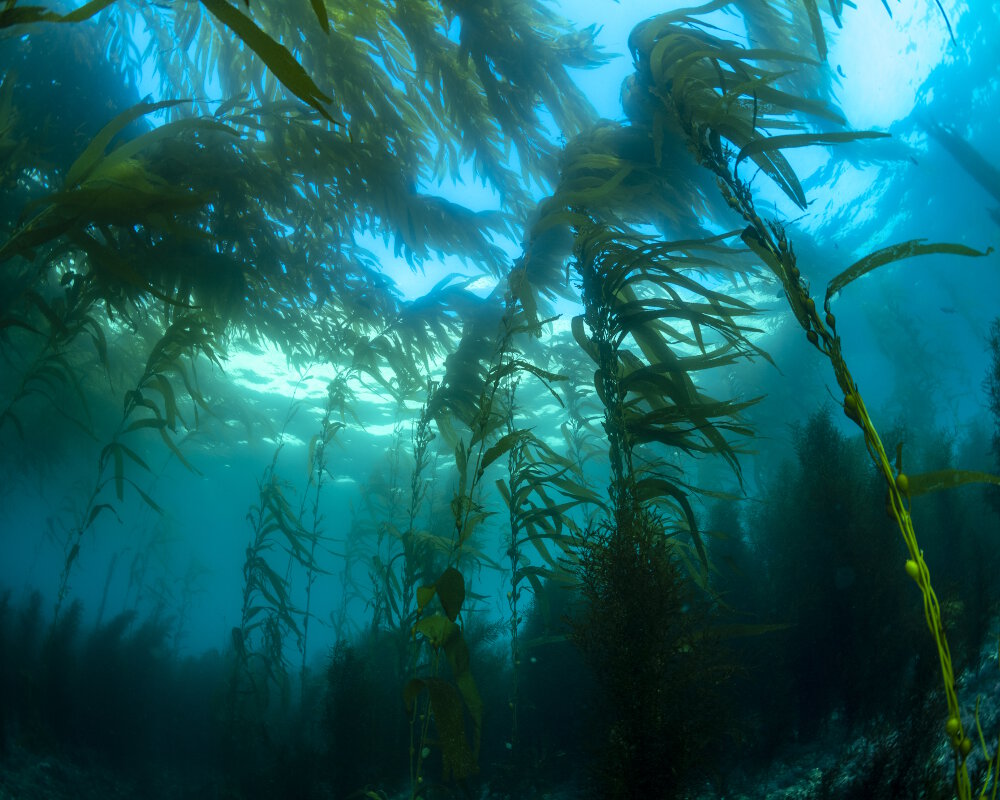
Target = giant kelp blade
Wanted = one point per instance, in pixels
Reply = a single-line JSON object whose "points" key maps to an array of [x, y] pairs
{"points": [[897, 252], [652, 487], [786, 141], [168, 132], [320, 8], [947, 22], [817, 27], [86, 11], [504, 445], [149, 501], [451, 592], [836, 8], [94, 151], [277, 58], [22, 15], [777, 168], [927, 482]]}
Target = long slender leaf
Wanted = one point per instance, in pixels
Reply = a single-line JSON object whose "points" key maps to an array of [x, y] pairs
{"points": [[948, 479], [816, 23], [766, 144], [277, 58], [319, 6], [897, 252], [503, 445], [94, 151]]}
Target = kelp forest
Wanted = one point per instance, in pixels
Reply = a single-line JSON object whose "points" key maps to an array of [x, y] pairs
{"points": [[676, 475]]}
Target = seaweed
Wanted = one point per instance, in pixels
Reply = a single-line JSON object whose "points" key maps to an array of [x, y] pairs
{"points": [[202, 223]]}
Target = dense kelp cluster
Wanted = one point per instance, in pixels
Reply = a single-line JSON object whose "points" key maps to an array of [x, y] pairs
{"points": [[144, 240]]}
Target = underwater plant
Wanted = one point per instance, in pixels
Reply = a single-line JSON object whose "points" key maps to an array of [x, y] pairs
{"points": [[310, 517], [697, 92], [150, 405], [248, 220], [689, 90]]}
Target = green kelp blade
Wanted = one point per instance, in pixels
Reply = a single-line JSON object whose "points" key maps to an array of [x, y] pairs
{"points": [[789, 140], [451, 592], [169, 132], [94, 151], [149, 501], [113, 449], [86, 11], [927, 482], [817, 27], [24, 15], [96, 511], [437, 629], [650, 488], [449, 588], [277, 58], [897, 252], [836, 7], [28, 14], [457, 758], [503, 445], [765, 153], [319, 6]]}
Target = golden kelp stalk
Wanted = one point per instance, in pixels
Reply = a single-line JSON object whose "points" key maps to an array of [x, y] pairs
{"points": [[715, 91]]}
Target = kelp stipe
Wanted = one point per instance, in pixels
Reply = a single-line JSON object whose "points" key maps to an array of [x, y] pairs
{"points": [[372, 733], [644, 630], [310, 519], [468, 392], [706, 91], [267, 617], [543, 492], [478, 390], [260, 689], [150, 405], [697, 92]]}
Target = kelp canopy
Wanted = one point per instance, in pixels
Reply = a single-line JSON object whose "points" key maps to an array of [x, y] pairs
{"points": [[251, 215], [140, 239]]}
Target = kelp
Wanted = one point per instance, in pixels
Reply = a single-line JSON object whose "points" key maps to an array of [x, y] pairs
{"points": [[695, 93], [53, 327], [136, 210], [968, 158], [248, 218], [22, 15], [893, 253], [151, 404], [507, 57], [279, 61], [647, 320]]}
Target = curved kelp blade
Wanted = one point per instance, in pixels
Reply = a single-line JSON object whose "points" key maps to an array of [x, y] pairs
{"points": [[927, 482], [27, 14], [94, 151], [789, 140], [277, 58], [897, 252]]}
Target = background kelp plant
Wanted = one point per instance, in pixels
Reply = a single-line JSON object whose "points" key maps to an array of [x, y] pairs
{"points": [[502, 550]]}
